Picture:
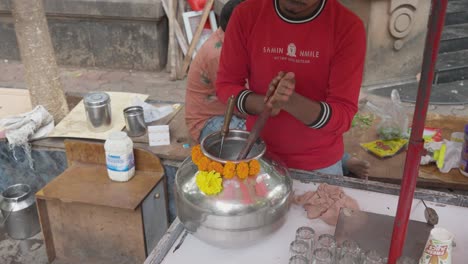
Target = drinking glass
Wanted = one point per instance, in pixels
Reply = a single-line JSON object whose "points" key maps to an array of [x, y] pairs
{"points": [[327, 241], [373, 257], [322, 256], [348, 258], [299, 248], [306, 234], [298, 260], [349, 247]]}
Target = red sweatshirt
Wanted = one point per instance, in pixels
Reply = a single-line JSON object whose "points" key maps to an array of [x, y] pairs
{"points": [[325, 51]]}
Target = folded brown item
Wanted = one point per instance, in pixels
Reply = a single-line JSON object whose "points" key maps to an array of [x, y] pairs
{"points": [[325, 203]]}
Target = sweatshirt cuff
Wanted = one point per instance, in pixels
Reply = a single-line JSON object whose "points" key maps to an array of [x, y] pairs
{"points": [[241, 99], [324, 116]]}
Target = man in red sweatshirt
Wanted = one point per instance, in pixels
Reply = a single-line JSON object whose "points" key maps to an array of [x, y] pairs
{"points": [[307, 57]]}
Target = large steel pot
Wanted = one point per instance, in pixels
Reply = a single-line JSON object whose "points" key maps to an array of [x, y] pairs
{"points": [[246, 210], [18, 207]]}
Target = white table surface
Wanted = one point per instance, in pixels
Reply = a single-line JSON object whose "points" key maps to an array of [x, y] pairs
{"points": [[275, 248]]}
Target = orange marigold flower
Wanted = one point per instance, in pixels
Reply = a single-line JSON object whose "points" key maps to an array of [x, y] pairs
{"points": [[203, 163], [229, 170], [215, 166], [197, 154], [254, 167], [242, 170]]}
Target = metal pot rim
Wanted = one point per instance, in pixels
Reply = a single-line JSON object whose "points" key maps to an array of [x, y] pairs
{"points": [[217, 159], [27, 192]]}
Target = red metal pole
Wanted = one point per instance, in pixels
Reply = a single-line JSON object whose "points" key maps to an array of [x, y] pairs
{"points": [[415, 146]]}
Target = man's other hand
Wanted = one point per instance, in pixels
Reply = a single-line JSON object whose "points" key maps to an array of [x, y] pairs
{"points": [[285, 85]]}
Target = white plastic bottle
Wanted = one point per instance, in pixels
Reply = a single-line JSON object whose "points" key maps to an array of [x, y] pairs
{"points": [[119, 157]]}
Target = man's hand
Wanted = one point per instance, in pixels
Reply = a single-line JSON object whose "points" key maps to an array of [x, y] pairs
{"points": [[279, 92]]}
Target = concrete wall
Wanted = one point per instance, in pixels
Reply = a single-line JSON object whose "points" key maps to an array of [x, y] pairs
{"points": [[125, 34], [396, 33], [395, 37]]}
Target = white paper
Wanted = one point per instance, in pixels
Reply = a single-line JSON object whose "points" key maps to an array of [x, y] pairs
{"points": [[159, 135], [153, 113]]}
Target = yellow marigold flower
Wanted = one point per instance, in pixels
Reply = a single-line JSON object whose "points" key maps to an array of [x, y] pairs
{"points": [[229, 170], [197, 154], [254, 167], [242, 170], [203, 163], [210, 183], [215, 166]]}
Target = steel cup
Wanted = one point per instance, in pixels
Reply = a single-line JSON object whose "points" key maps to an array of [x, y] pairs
{"points": [[135, 121]]}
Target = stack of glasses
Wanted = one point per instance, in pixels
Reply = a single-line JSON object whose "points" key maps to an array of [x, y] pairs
{"points": [[304, 250]]}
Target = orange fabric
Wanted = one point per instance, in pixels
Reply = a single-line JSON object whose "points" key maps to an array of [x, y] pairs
{"points": [[201, 101], [325, 203]]}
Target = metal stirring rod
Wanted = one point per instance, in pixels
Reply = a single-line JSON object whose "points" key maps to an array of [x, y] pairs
{"points": [[227, 120]]}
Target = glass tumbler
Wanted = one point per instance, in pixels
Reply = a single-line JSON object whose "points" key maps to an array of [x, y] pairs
{"points": [[348, 258], [299, 248], [322, 256], [327, 241], [298, 260], [306, 234], [372, 257], [350, 248]]}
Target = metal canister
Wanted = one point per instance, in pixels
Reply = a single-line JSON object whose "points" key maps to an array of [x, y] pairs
{"points": [[135, 121], [18, 207], [98, 111]]}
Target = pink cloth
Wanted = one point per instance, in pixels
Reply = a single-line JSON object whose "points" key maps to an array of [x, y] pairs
{"points": [[325, 203], [200, 98]]}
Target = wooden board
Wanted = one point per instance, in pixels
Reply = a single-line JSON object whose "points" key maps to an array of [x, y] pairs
{"points": [[14, 102], [74, 125], [391, 169], [90, 184], [85, 233], [86, 180], [179, 136]]}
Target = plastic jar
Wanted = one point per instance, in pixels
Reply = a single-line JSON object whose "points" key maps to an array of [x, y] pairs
{"points": [[464, 154], [119, 157]]}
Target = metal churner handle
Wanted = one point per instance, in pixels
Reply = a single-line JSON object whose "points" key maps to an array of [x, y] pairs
{"points": [[9, 213]]}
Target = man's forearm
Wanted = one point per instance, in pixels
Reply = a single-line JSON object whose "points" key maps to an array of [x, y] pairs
{"points": [[254, 104], [305, 110], [302, 108]]}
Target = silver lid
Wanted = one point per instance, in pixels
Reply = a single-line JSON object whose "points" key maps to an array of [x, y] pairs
{"points": [[96, 99]]}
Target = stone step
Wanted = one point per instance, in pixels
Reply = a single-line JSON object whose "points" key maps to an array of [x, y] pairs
{"points": [[452, 60], [453, 93], [457, 12], [455, 6], [451, 66], [454, 38]]}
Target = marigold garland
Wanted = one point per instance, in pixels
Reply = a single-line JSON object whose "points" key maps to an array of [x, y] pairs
{"points": [[242, 170], [203, 163], [197, 154], [254, 167], [210, 183], [215, 166], [229, 170]]}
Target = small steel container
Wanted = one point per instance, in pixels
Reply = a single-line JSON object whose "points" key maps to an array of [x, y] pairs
{"points": [[98, 111], [18, 206], [135, 121]]}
